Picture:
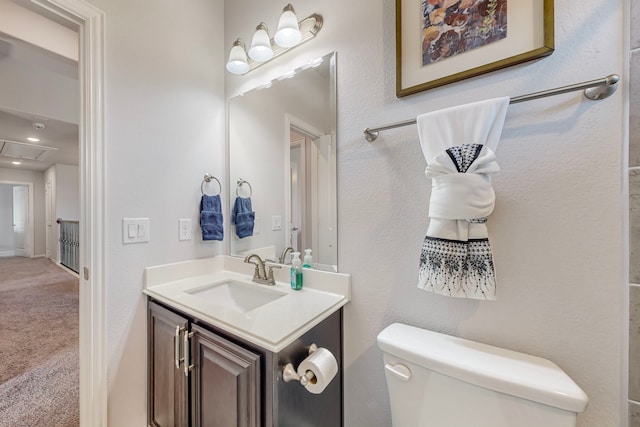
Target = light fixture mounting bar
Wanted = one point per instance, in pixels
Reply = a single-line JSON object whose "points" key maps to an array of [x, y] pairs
{"points": [[309, 27]]}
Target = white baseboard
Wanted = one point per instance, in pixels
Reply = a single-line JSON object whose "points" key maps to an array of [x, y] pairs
{"points": [[68, 270], [7, 253], [39, 256]]}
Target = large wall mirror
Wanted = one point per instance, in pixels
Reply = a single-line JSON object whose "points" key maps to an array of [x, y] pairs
{"points": [[282, 155]]}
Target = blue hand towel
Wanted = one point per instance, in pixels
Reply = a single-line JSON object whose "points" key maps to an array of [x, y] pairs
{"points": [[211, 217], [243, 217]]}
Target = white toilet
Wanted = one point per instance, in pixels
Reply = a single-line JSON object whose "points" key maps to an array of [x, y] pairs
{"points": [[436, 380]]}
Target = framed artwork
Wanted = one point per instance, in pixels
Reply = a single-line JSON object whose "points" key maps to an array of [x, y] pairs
{"points": [[444, 41]]}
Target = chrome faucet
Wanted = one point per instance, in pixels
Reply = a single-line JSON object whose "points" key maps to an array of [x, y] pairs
{"points": [[260, 274], [283, 257]]}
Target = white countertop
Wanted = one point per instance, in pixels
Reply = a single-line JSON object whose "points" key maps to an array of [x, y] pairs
{"points": [[272, 326]]}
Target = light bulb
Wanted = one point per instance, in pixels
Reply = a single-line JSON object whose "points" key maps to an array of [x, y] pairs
{"points": [[288, 33], [260, 50], [237, 63]]}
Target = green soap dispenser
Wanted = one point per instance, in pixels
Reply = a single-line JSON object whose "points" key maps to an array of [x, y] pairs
{"points": [[308, 261], [296, 271]]}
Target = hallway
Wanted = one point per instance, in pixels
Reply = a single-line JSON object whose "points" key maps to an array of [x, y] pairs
{"points": [[38, 344]]}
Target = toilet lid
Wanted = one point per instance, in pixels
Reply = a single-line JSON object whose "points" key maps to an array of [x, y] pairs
{"points": [[510, 372]]}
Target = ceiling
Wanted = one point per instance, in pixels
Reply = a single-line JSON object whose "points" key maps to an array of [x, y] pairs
{"points": [[17, 125]]}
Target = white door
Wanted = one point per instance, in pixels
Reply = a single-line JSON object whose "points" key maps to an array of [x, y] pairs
{"points": [[48, 209], [20, 216], [296, 238]]}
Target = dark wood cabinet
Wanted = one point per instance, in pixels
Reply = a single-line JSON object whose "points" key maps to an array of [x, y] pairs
{"points": [[168, 386], [225, 382], [202, 376], [198, 378]]}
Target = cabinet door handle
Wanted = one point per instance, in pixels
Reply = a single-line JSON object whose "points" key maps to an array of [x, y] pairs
{"points": [[187, 357], [176, 346]]}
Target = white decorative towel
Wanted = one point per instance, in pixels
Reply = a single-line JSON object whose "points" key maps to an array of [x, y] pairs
{"points": [[458, 144]]}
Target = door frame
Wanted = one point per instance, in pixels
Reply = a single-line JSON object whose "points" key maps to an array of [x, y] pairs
{"points": [[301, 171], [308, 130], [48, 223], [23, 211], [93, 367], [31, 244]]}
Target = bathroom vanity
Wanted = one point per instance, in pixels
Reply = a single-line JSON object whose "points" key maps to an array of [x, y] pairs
{"points": [[218, 344]]}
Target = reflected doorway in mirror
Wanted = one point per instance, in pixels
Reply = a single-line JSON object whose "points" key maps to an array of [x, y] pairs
{"points": [[259, 149]]}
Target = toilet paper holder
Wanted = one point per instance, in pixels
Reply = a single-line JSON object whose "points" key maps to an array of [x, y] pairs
{"points": [[289, 373]]}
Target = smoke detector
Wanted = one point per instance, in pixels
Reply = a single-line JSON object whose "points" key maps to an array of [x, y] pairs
{"points": [[38, 126]]}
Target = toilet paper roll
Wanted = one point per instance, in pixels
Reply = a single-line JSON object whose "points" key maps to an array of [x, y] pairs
{"points": [[323, 365]]}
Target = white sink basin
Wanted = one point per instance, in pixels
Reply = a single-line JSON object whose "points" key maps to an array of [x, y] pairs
{"points": [[237, 296], [219, 291]]}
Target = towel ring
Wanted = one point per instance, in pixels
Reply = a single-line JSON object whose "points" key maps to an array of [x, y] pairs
{"points": [[240, 183], [208, 178]]}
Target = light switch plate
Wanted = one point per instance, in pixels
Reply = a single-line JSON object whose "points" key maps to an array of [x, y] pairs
{"points": [[185, 229], [135, 230]]}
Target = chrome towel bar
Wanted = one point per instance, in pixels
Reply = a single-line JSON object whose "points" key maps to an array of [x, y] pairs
{"points": [[594, 89]]}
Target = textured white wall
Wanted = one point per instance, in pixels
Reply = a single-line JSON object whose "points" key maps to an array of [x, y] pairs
{"points": [[257, 150], [67, 192], [557, 227], [164, 127]]}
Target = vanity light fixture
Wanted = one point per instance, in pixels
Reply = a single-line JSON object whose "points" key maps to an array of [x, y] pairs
{"points": [[260, 50], [32, 139], [15, 162], [237, 63], [290, 33]]}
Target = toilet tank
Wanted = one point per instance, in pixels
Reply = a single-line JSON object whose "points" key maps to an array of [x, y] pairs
{"points": [[437, 380]]}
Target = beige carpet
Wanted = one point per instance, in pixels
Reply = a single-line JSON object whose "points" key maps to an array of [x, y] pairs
{"points": [[38, 344]]}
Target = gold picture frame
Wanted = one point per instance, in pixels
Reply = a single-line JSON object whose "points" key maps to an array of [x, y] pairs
{"points": [[528, 34]]}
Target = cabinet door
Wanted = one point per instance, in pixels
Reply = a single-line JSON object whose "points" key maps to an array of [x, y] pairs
{"points": [[225, 382], [168, 391]]}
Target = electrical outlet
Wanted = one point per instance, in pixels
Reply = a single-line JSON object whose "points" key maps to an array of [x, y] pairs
{"points": [[184, 229]]}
